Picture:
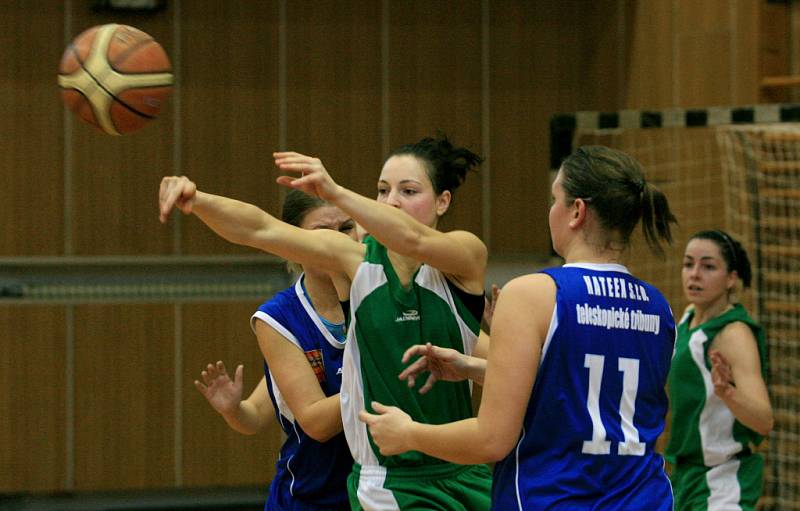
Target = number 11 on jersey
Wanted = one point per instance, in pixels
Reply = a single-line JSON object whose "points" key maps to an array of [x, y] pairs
{"points": [[629, 367]]}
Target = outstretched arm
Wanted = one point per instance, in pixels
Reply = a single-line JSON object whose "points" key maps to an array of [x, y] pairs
{"points": [[514, 353], [458, 253], [736, 374], [246, 224], [225, 396]]}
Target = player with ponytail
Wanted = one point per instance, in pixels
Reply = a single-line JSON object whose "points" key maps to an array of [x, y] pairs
{"points": [[573, 388], [719, 399]]}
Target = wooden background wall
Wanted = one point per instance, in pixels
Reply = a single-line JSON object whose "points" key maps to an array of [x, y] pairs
{"points": [[87, 399]]}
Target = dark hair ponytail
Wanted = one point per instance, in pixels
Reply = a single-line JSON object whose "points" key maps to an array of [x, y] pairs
{"points": [[733, 253], [656, 217], [447, 165], [612, 184]]}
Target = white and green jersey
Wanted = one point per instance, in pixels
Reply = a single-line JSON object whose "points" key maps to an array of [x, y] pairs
{"points": [[703, 429], [386, 319]]}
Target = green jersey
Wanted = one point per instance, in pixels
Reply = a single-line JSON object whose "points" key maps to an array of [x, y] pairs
{"points": [[703, 429], [386, 319]]}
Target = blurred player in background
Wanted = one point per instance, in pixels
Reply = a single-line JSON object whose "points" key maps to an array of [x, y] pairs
{"points": [[719, 399]]}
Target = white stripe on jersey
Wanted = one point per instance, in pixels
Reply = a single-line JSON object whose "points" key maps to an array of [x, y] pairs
{"points": [[716, 420]]}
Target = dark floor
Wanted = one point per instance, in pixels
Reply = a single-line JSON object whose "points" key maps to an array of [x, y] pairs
{"points": [[221, 499]]}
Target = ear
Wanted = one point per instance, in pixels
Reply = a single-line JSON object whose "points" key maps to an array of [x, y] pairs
{"points": [[733, 276], [578, 212], [443, 202]]}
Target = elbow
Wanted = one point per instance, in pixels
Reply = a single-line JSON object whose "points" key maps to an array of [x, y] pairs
{"points": [[496, 448], [765, 428], [318, 433], [317, 428]]}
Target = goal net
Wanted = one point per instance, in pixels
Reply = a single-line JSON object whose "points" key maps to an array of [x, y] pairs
{"points": [[736, 169]]}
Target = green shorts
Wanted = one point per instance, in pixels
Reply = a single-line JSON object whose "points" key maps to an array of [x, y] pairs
{"points": [[735, 484], [445, 487]]}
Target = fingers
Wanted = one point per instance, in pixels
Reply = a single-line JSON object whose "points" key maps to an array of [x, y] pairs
{"points": [[366, 417], [221, 368], [238, 376], [379, 408], [410, 372], [175, 191], [417, 349], [202, 388], [428, 384]]}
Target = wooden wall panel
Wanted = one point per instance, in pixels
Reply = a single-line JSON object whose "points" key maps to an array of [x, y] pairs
{"points": [[541, 63], [32, 375], [115, 179], [435, 84], [214, 454], [31, 140], [704, 41], [124, 406], [774, 47], [229, 107], [715, 39], [650, 64], [334, 88]]}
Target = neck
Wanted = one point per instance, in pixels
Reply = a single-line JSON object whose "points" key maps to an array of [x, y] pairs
{"points": [[705, 312], [322, 293], [586, 254], [405, 262]]}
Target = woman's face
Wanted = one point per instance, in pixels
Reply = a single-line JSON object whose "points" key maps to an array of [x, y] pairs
{"points": [[329, 217], [404, 184], [559, 215], [705, 274]]}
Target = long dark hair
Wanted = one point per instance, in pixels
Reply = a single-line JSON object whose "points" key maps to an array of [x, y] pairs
{"points": [[613, 185]]}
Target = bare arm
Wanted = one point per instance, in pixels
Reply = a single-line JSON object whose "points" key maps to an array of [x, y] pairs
{"points": [[245, 224], [517, 339], [224, 395], [459, 253], [736, 373], [320, 416]]}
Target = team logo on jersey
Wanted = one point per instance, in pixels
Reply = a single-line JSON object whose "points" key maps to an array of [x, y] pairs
{"points": [[409, 315], [315, 359]]}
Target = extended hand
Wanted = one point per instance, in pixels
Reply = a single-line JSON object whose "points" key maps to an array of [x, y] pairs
{"points": [[175, 192], [444, 364], [388, 427], [222, 393], [312, 178], [721, 375]]}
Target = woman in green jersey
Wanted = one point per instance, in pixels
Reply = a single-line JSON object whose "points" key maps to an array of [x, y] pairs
{"points": [[718, 395]]}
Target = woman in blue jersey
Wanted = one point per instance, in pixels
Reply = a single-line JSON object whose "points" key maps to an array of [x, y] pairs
{"points": [[409, 283], [719, 399], [573, 388], [301, 333]]}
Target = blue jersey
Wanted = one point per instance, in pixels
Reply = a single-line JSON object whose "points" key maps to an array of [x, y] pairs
{"points": [[598, 403], [310, 474]]}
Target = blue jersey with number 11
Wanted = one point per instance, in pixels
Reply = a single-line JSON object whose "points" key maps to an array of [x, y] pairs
{"points": [[598, 403]]}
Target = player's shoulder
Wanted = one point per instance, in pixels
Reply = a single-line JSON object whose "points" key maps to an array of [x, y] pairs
{"points": [[280, 301]]}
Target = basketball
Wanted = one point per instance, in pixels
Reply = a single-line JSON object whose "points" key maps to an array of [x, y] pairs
{"points": [[115, 77]]}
